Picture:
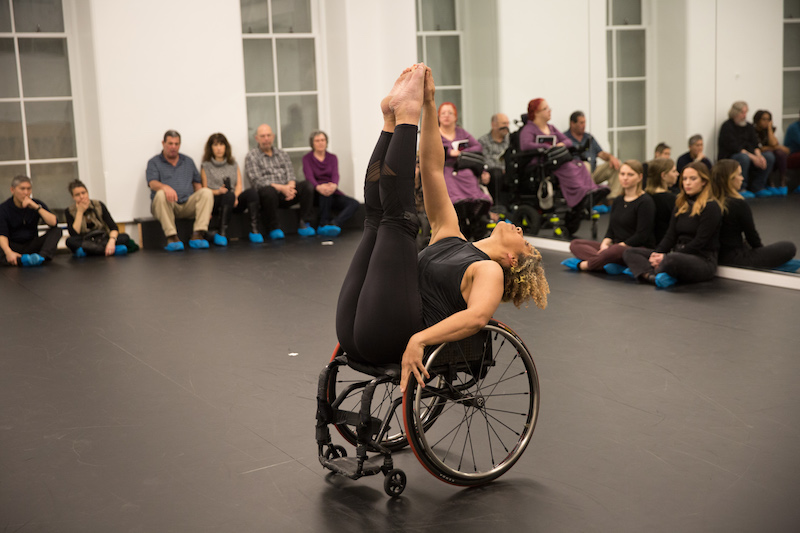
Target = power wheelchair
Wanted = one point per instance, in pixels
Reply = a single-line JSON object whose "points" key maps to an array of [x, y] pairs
{"points": [[467, 426], [532, 194]]}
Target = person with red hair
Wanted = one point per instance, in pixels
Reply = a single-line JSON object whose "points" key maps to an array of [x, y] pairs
{"points": [[574, 178]]}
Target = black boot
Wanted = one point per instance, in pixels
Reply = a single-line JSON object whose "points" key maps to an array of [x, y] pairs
{"points": [[255, 235], [225, 220]]}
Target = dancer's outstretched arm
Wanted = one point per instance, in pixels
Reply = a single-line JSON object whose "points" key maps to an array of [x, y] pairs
{"points": [[439, 207]]}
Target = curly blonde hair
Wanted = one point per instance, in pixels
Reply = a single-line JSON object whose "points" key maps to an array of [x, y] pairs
{"points": [[526, 281]]}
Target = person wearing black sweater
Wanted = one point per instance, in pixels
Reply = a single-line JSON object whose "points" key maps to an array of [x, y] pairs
{"points": [[631, 224], [726, 180], [738, 140], [688, 251], [662, 175]]}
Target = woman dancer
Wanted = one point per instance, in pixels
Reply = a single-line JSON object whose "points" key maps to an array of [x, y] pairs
{"points": [[662, 175], [388, 309]]}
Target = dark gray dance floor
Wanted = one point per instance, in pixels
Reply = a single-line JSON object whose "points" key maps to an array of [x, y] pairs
{"points": [[163, 392]]}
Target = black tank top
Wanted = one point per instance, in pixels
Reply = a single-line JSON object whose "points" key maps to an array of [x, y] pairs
{"points": [[441, 269]]}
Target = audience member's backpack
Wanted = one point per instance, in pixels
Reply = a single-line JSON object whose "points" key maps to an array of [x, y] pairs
{"points": [[94, 242]]}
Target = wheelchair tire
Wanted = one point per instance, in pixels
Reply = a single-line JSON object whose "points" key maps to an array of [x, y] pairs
{"points": [[394, 483], [340, 378], [469, 427], [527, 218]]}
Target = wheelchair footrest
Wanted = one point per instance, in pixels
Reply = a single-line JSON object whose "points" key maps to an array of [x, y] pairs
{"points": [[348, 466]]}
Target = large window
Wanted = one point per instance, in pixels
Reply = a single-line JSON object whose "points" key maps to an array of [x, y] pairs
{"points": [[627, 79], [37, 125], [280, 69], [439, 46], [791, 62]]}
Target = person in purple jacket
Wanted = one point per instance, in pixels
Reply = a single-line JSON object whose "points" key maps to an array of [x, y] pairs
{"points": [[463, 186], [574, 178], [321, 169]]}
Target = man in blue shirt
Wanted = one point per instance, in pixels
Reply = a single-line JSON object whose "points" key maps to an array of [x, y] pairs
{"points": [[19, 227], [176, 191], [604, 173]]}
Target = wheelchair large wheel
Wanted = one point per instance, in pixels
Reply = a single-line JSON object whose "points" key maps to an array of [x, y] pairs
{"points": [[484, 409], [343, 377]]}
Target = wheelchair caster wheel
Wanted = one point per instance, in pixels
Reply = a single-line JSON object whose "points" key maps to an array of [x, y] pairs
{"points": [[335, 452], [394, 483]]}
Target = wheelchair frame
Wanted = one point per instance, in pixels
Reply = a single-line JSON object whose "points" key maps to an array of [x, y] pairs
{"points": [[465, 427]]}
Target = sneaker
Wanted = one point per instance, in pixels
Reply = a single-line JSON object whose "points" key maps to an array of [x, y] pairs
{"points": [[276, 234], [614, 269], [31, 260], [198, 244], [220, 240], [329, 230], [80, 252], [256, 238], [305, 230], [572, 263], [120, 249], [664, 280], [174, 247], [747, 194]]}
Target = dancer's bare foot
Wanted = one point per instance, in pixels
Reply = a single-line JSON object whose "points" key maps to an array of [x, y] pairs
{"points": [[407, 102], [430, 88], [385, 109]]}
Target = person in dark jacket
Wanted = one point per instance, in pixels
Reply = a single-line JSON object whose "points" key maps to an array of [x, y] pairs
{"points": [[92, 230], [738, 140]]}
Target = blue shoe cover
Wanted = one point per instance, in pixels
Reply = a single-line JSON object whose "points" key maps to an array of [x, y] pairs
{"points": [[329, 230], [628, 272], [198, 244], [572, 263], [80, 252], [782, 191], [306, 231], [748, 194], [276, 234], [602, 209], [174, 247], [31, 260], [120, 249], [256, 238], [219, 240], [793, 265], [797, 190], [614, 269], [776, 191], [664, 280], [763, 193]]}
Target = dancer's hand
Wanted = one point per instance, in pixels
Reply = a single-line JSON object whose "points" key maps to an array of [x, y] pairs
{"points": [[412, 363]]}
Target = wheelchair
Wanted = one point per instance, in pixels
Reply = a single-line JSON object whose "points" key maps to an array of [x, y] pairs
{"points": [[532, 194], [467, 426]]}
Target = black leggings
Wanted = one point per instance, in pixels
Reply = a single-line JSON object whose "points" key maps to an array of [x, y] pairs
{"points": [[379, 305]]}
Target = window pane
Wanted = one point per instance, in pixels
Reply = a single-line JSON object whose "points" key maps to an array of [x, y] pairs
{"points": [[291, 16], [444, 58], [259, 76], [8, 172], [791, 9], [260, 110], [299, 117], [297, 162], [633, 112], [624, 12], [786, 123], [791, 93], [791, 45], [39, 16], [11, 143], [611, 106], [453, 96], [45, 70], [609, 53], [630, 53], [438, 15], [9, 87], [420, 51], [49, 182], [297, 70], [255, 16], [631, 145], [50, 130], [5, 16]]}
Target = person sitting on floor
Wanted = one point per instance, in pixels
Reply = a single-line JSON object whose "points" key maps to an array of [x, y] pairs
{"points": [[695, 153], [92, 230], [630, 224], [738, 140], [661, 178], [688, 252], [737, 219], [321, 169], [762, 122], [19, 219]]}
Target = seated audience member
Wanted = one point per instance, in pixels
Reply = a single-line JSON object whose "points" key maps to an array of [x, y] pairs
{"points": [[663, 151], [271, 174], [688, 252], [762, 122], [737, 219], [321, 169], [220, 173], [792, 141], [573, 177], [176, 191], [581, 138], [695, 153], [92, 230], [662, 176], [463, 185], [738, 140], [494, 144], [630, 225], [19, 221]]}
